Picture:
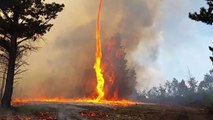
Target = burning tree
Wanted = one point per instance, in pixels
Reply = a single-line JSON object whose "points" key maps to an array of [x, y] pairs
{"points": [[120, 81], [22, 22]]}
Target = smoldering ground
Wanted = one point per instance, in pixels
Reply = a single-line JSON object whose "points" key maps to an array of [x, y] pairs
{"points": [[64, 66]]}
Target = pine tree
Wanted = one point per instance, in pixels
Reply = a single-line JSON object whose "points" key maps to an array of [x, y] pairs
{"points": [[21, 23], [120, 80], [206, 16]]}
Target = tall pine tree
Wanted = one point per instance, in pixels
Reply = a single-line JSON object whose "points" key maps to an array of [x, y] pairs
{"points": [[21, 23]]}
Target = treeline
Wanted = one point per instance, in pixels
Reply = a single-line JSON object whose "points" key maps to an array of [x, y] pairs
{"points": [[183, 92]]}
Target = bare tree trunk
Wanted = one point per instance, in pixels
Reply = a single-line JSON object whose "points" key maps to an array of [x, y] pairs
{"points": [[6, 100], [3, 83]]}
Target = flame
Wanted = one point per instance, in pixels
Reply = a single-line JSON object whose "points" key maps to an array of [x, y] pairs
{"points": [[122, 102], [99, 69], [97, 66]]}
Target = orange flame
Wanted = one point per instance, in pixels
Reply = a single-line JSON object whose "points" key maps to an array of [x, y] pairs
{"points": [[97, 66], [100, 99], [122, 102]]}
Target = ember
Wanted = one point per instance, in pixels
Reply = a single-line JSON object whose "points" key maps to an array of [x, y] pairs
{"points": [[91, 113]]}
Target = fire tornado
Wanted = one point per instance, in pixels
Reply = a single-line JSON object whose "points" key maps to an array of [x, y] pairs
{"points": [[97, 66], [107, 90]]}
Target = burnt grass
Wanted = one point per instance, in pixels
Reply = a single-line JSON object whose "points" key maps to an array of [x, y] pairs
{"points": [[56, 111], [28, 112], [150, 112]]}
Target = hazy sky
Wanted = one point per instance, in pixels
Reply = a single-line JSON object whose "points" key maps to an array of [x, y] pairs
{"points": [[185, 41], [169, 44]]}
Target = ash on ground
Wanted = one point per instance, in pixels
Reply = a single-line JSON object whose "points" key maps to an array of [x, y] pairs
{"points": [[91, 111]]}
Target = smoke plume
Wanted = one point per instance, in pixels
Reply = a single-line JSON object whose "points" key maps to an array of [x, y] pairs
{"points": [[64, 66]]}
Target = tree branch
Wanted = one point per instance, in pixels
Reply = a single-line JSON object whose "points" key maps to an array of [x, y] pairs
{"points": [[6, 15], [18, 72], [31, 37], [5, 44]]}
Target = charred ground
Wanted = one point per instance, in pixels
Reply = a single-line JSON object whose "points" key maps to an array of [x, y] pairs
{"points": [[89, 111]]}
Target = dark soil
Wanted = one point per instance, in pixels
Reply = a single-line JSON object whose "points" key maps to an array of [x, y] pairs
{"points": [[89, 111]]}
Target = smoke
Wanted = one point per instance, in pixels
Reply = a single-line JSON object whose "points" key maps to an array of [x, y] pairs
{"points": [[64, 67]]}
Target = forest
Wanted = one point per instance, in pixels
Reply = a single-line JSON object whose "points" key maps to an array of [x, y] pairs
{"points": [[189, 92]]}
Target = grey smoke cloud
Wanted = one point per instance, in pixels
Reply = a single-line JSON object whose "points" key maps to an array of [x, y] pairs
{"points": [[64, 67]]}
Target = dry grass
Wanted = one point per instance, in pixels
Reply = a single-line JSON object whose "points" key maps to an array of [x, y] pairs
{"points": [[27, 113], [53, 111]]}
